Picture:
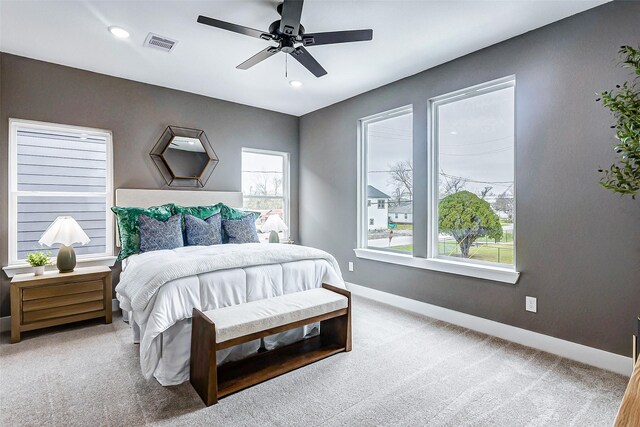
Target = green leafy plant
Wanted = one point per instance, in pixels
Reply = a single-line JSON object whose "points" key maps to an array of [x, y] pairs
{"points": [[466, 217], [624, 102], [38, 259]]}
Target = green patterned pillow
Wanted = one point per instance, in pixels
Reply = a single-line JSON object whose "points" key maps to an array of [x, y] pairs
{"points": [[128, 228], [232, 213], [202, 212]]}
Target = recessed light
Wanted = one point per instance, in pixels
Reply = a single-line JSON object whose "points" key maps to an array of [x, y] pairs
{"points": [[119, 32], [295, 83], [453, 132]]}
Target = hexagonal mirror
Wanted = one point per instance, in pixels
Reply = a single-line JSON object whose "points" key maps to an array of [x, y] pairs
{"points": [[184, 157]]}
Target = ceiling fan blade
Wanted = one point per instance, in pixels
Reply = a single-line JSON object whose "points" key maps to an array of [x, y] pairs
{"points": [[258, 57], [291, 14], [234, 28], [303, 56], [334, 37]]}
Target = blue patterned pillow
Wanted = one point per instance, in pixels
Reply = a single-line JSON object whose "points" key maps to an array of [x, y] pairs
{"points": [[241, 230], [156, 235], [200, 232]]}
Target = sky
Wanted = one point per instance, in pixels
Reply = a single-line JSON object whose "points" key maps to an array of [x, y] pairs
{"points": [[476, 139], [476, 142], [257, 167], [389, 142]]}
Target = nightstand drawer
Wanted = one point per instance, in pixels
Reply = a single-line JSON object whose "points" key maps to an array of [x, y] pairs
{"points": [[60, 290], [67, 310], [61, 301]]}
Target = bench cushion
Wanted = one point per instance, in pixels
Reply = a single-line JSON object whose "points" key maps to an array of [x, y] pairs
{"points": [[256, 316]]}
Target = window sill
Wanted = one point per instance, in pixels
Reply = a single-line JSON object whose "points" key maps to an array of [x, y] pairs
{"points": [[498, 274], [12, 270]]}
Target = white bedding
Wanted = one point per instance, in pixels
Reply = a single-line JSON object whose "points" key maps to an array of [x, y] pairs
{"points": [[207, 278]]}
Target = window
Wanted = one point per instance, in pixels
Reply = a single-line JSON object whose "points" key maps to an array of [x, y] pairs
{"points": [[472, 170], [385, 174], [57, 170], [265, 186]]}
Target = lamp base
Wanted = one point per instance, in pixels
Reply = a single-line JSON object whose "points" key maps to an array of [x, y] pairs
{"points": [[273, 237], [66, 260]]}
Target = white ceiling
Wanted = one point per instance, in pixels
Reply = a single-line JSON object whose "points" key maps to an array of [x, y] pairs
{"points": [[409, 36]]}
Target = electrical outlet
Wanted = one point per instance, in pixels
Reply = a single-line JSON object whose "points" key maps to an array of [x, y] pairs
{"points": [[350, 265], [531, 304]]}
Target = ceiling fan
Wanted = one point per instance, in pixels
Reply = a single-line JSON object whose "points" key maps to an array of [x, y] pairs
{"points": [[290, 36]]}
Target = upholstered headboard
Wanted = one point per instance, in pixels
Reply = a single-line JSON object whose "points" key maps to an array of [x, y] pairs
{"points": [[134, 197], [131, 197]]}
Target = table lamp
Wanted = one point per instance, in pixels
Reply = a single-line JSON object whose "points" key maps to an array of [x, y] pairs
{"points": [[66, 231], [274, 224]]}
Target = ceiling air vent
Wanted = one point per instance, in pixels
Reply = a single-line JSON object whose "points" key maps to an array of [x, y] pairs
{"points": [[160, 42]]}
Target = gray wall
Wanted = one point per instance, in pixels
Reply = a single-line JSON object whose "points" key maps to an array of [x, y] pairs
{"points": [[137, 114], [578, 245]]}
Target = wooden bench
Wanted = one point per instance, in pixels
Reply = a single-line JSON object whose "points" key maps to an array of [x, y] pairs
{"points": [[229, 326]]}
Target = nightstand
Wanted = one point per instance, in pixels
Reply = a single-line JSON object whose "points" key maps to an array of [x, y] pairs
{"points": [[57, 298]]}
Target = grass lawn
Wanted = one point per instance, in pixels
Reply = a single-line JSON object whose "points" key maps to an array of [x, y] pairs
{"points": [[489, 253], [405, 227]]}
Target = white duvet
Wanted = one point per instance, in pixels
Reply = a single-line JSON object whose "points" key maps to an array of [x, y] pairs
{"points": [[161, 288]]}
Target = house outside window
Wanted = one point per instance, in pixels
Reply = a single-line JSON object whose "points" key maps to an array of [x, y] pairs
{"points": [[265, 186], [59, 170]]}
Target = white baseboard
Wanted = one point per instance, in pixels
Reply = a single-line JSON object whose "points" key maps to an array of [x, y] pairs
{"points": [[578, 352], [5, 322]]}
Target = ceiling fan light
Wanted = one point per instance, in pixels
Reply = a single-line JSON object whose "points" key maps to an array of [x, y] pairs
{"points": [[295, 83], [119, 32]]}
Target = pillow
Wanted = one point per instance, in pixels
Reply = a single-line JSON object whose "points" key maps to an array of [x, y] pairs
{"points": [[241, 230], [128, 229], [200, 232], [202, 212], [156, 235], [233, 213]]}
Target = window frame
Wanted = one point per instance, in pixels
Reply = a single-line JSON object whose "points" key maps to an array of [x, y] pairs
{"points": [[16, 265], [433, 163], [488, 271], [286, 182], [362, 170]]}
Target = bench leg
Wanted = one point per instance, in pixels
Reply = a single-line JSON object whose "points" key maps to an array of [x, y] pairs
{"points": [[338, 329], [203, 368]]}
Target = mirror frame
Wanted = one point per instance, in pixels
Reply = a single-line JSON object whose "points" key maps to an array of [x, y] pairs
{"points": [[158, 156]]}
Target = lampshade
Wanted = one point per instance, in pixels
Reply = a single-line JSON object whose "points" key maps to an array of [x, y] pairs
{"points": [[64, 230], [274, 223]]}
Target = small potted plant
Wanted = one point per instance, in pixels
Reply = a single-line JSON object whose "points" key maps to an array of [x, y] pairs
{"points": [[38, 260]]}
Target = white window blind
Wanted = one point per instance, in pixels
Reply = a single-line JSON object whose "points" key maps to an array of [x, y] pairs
{"points": [[59, 170]]}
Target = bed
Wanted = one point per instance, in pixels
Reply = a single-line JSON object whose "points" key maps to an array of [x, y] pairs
{"points": [[159, 290]]}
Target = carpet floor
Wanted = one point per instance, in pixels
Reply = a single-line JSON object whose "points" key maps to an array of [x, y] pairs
{"points": [[404, 370]]}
